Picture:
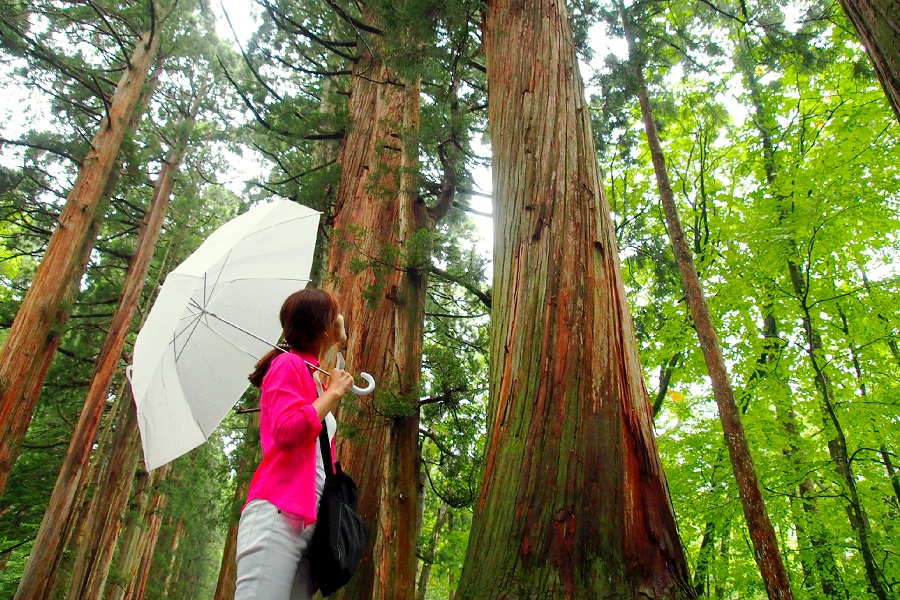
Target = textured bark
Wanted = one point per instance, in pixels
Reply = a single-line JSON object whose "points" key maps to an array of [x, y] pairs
{"points": [[877, 23], [762, 534], [375, 211], [252, 455], [574, 503], [38, 323], [40, 571], [151, 521], [104, 522]]}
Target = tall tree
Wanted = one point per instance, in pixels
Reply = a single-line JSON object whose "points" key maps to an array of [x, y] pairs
{"points": [[574, 501], [762, 533], [35, 332], [44, 560]]}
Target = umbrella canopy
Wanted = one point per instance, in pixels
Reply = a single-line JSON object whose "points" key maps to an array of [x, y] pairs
{"points": [[215, 316]]}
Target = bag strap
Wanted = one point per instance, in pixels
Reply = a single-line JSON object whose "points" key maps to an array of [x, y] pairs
{"points": [[324, 443], [325, 447]]}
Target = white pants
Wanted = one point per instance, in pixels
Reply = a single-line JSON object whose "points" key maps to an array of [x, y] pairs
{"points": [[271, 554]]}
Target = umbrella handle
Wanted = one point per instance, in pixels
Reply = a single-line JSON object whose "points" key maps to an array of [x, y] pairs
{"points": [[366, 390]]}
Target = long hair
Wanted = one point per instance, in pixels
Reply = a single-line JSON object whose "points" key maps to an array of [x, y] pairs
{"points": [[305, 318]]}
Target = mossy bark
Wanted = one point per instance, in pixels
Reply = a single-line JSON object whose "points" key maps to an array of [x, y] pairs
{"points": [[381, 297], [574, 502]]}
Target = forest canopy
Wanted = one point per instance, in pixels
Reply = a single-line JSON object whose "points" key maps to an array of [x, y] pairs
{"points": [[484, 197]]}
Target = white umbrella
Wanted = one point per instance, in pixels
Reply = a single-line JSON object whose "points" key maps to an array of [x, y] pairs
{"points": [[212, 321]]}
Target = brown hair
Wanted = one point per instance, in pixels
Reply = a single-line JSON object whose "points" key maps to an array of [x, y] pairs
{"points": [[305, 318]]}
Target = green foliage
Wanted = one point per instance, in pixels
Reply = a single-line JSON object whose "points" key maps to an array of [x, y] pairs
{"points": [[781, 149]]}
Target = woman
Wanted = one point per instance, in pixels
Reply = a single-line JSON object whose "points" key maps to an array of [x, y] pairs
{"points": [[278, 520]]}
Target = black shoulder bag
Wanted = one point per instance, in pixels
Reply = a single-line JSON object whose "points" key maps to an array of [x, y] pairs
{"points": [[340, 537]]}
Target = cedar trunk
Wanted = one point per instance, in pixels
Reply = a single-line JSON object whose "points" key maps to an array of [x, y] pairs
{"points": [[40, 571], [574, 502], [762, 534], [252, 454], [877, 23], [24, 359], [149, 526], [107, 511], [375, 211]]}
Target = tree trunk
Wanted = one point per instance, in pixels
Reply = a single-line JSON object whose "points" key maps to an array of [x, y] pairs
{"points": [[146, 539], [574, 503], [40, 571], [252, 455], [837, 445], [701, 572], [39, 321], [376, 212], [171, 576], [877, 23], [428, 560], [128, 551], [107, 510], [762, 534]]}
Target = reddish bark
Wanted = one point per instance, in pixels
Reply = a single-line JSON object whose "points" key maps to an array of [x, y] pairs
{"points": [[48, 550], [877, 23], [228, 571], [38, 323], [375, 211], [105, 517], [574, 502], [151, 521], [762, 534]]}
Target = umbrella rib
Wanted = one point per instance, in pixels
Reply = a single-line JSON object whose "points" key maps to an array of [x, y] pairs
{"points": [[193, 328], [253, 335]]}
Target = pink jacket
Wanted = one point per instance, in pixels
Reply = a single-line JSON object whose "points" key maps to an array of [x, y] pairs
{"points": [[289, 431]]}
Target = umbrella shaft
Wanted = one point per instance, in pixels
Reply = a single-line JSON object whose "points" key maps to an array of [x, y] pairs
{"points": [[253, 335]]}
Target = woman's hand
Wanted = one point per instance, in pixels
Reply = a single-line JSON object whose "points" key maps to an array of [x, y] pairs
{"points": [[340, 381], [339, 384]]}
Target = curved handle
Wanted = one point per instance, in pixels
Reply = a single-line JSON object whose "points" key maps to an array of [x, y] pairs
{"points": [[366, 390]]}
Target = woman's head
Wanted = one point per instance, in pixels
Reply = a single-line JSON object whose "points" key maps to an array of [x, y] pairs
{"points": [[308, 318], [310, 323]]}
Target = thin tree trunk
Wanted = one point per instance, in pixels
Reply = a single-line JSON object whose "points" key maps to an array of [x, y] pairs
{"points": [[146, 540], [171, 575], [442, 517], [701, 572], [40, 571], [39, 321], [574, 503], [104, 522], [251, 456], [765, 543], [877, 23], [128, 551], [837, 445]]}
